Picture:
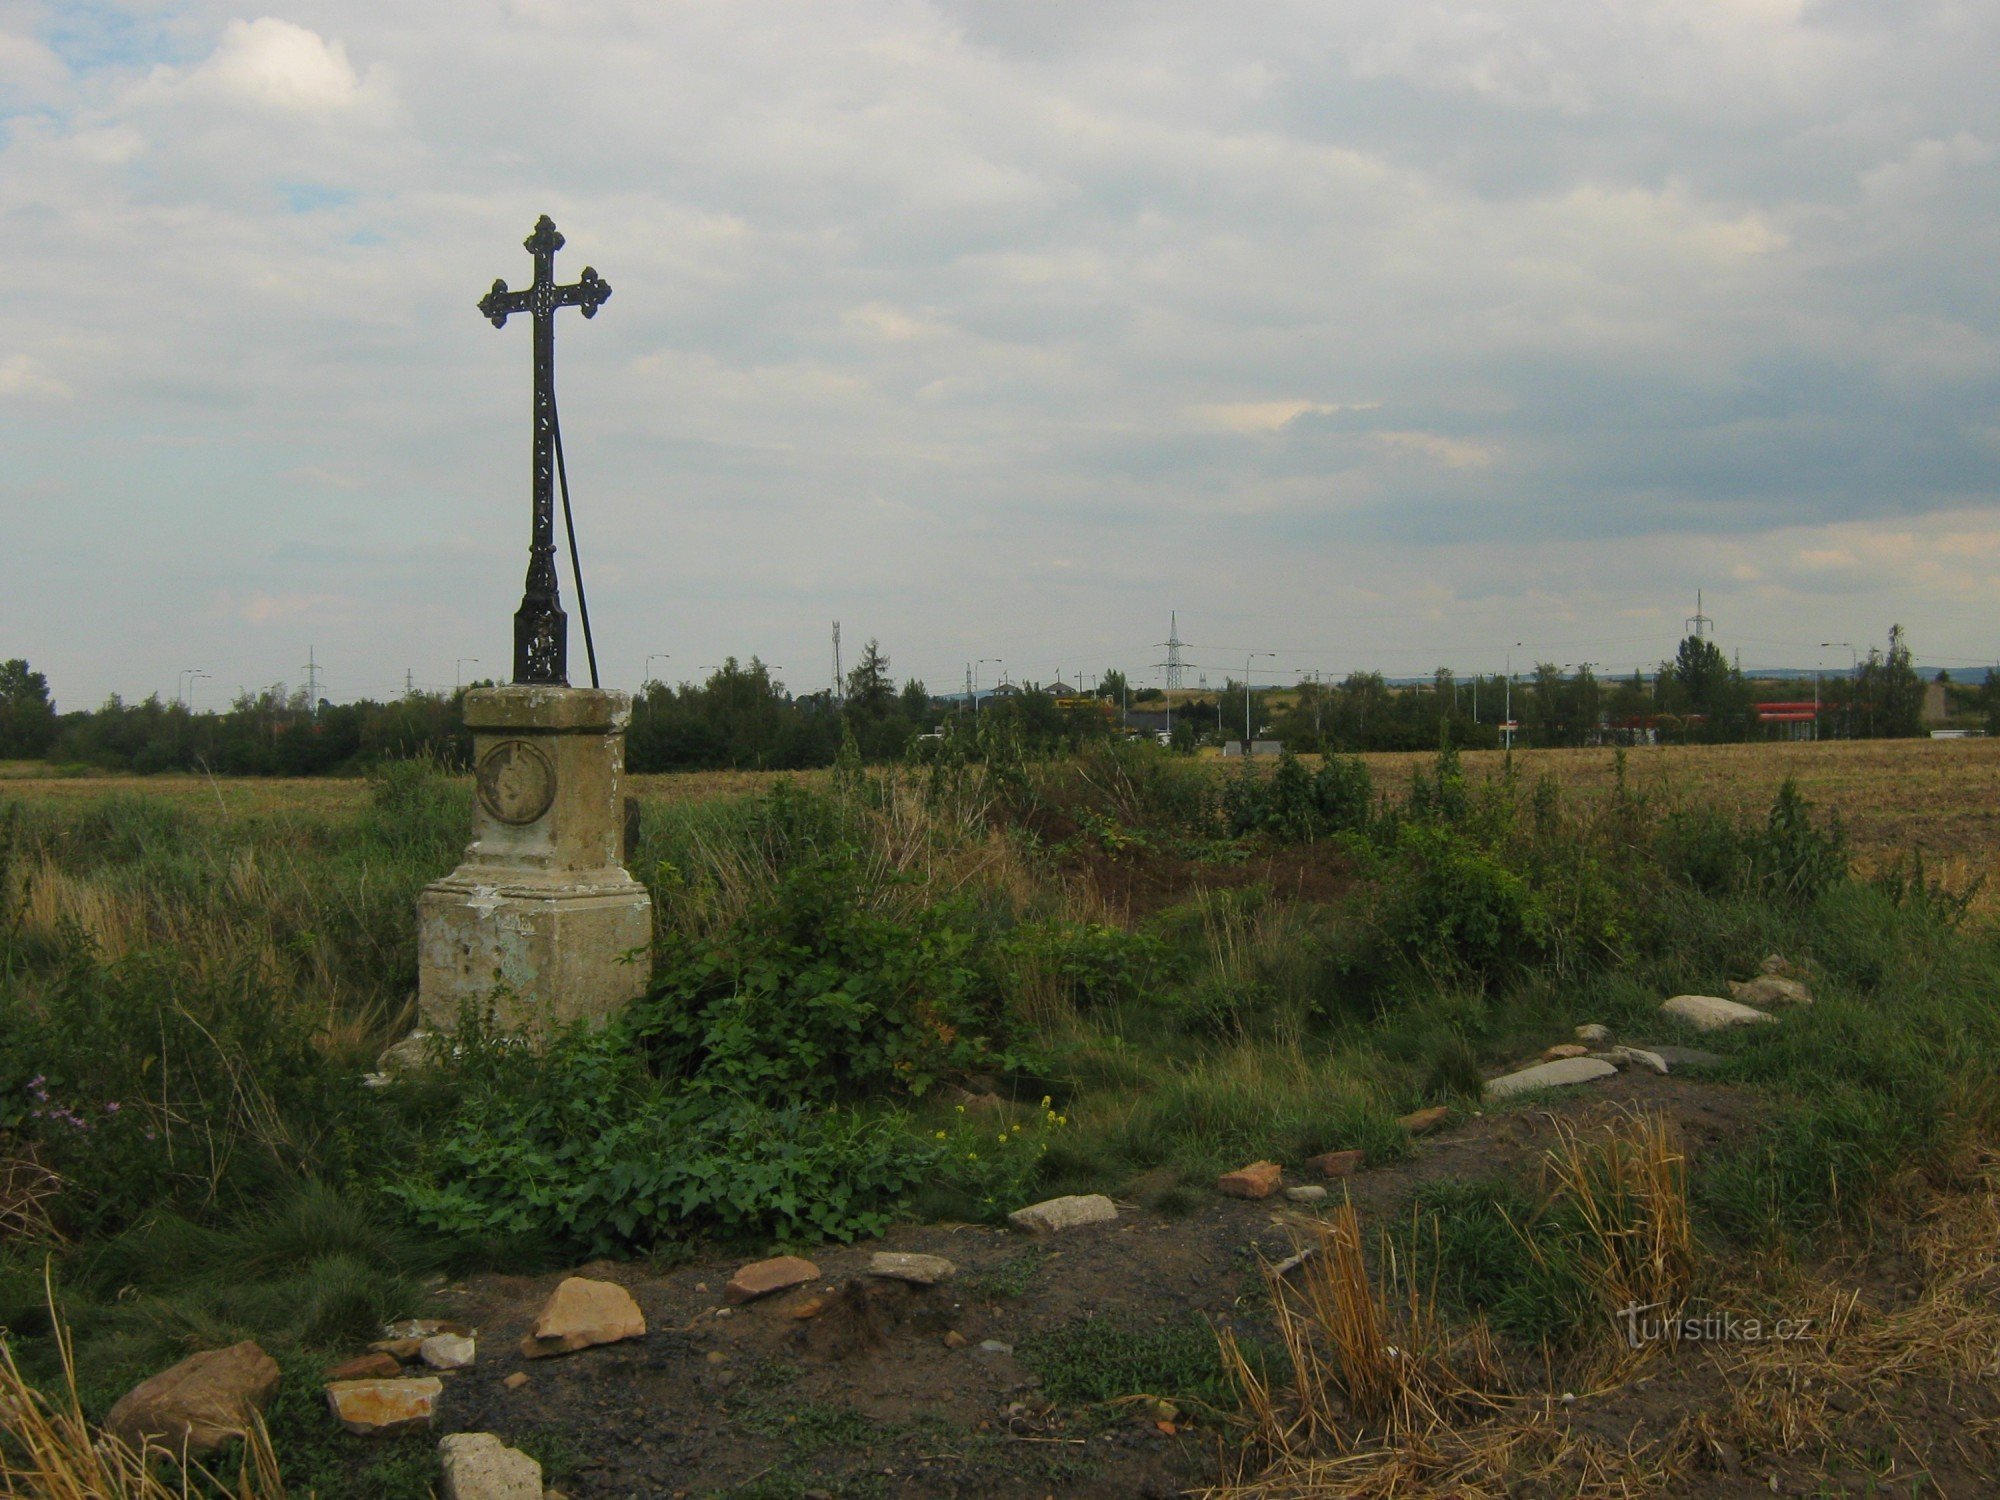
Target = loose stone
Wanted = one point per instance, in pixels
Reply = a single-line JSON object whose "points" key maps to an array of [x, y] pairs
{"points": [[1771, 989], [1710, 1013], [448, 1351], [1337, 1163], [1258, 1180], [1307, 1194], [1056, 1214], [383, 1408], [1593, 1033], [763, 1277], [1569, 1071], [198, 1404], [365, 1367], [955, 1340], [580, 1313], [921, 1270], [515, 1381], [1562, 1050], [1420, 1121], [478, 1466]]}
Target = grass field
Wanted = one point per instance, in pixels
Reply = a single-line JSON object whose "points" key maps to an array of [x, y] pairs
{"points": [[1893, 796]]}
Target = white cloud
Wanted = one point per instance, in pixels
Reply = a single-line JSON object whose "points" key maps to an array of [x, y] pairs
{"points": [[22, 375], [279, 65]]}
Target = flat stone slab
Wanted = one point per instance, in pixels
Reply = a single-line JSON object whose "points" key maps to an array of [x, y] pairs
{"points": [[1688, 1057], [1258, 1180], [383, 1408], [448, 1351], [478, 1466], [1565, 1049], [1712, 1013], [199, 1404], [1310, 1193], [763, 1277], [1053, 1215], [1771, 989], [1563, 1073], [581, 1313], [1336, 1163], [918, 1270], [1420, 1121]]}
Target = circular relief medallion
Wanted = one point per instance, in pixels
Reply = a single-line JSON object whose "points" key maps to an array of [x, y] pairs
{"points": [[516, 782]]}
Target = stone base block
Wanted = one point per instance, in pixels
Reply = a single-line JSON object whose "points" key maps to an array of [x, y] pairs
{"points": [[541, 956]]}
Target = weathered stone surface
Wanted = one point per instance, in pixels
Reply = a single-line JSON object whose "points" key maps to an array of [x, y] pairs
{"points": [[383, 1408], [1564, 1049], [538, 917], [922, 1270], [198, 1404], [1593, 1033], [1771, 989], [448, 1351], [1258, 1180], [811, 1307], [1419, 1121], [1549, 1075], [406, 1058], [478, 1466], [1710, 1013], [1774, 964], [422, 1328], [398, 1349], [365, 1367], [1646, 1058], [1309, 1193], [515, 1381], [955, 1340], [1055, 1214], [580, 1313], [762, 1277], [1337, 1163], [1688, 1057]]}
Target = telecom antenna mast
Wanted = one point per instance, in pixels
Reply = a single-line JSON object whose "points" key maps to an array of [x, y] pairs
{"points": [[837, 681]]}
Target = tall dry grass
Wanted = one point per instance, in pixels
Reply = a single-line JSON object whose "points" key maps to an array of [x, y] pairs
{"points": [[50, 1451]]}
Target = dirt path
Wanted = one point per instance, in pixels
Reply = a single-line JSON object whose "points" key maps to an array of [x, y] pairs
{"points": [[868, 1398]]}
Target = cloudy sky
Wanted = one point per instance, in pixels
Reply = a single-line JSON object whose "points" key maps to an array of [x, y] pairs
{"points": [[1384, 333]]}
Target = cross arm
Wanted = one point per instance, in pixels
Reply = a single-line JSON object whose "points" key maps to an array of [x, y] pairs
{"points": [[499, 303], [589, 292]]}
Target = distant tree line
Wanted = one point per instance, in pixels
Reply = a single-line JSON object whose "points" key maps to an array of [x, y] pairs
{"points": [[741, 717]]}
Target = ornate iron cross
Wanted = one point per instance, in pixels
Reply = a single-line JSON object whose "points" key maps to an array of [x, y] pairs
{"points": [[541, 629]]}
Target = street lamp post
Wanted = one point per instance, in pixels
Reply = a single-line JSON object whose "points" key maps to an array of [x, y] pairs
{"points": [[1246, 697], [983, 661], [458, 670], [652, 657], [1853, 677], [1508, 711]]}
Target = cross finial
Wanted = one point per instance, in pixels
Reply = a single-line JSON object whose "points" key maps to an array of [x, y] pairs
{"points": [[541, 629]]}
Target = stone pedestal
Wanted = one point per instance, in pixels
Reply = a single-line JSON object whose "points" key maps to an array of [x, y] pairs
{"points": [[541, 920]]}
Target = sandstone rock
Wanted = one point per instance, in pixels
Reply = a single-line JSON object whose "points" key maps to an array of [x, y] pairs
{"points": [[1771, 989], [383, 1408], [922, 1270], [1688, 1057], [1709, 1013], [1420, 1121], [955, 1340], [199, 1404], [1336, 1163], [448, 1351], [365, 1367], [1549, 1075], [1258, 1180], [1055, 1214], [1307, 1194], [478, 1466], [580, 1313], [812, 1307], [1564, 1049], [1646, 1058], [515, 1381], [763, 1277], [398, 1349], [1593, 1033]]}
